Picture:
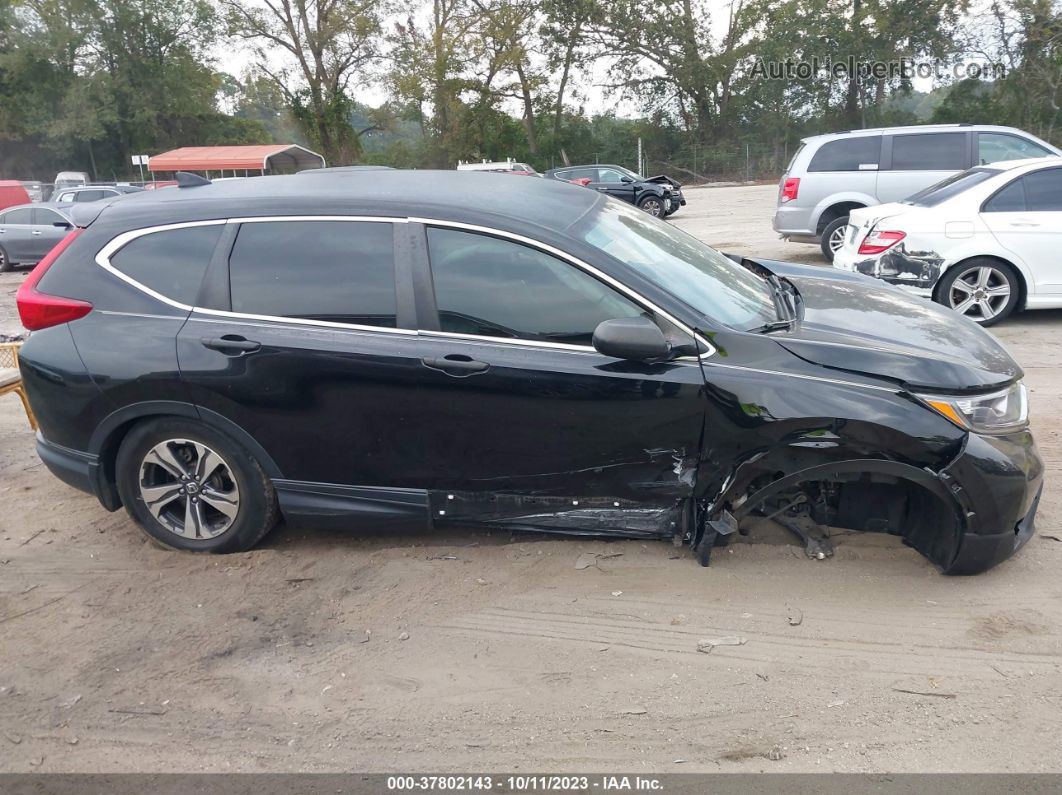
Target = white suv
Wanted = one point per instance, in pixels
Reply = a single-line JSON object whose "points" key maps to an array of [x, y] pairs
{"points": [[831, 175]]}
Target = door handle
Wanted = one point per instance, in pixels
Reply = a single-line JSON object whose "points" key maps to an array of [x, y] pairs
{"points": [[456, 364], [1024, 223], [35, 232], [231, 344]]}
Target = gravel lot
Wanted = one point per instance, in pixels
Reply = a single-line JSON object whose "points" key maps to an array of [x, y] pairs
{"points": [[486, 651]]}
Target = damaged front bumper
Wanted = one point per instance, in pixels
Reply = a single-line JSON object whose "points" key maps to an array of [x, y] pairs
{"points": [[997, 481]]}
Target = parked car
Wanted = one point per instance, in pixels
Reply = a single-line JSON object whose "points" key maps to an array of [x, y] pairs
{"points": [[506, 167], [92, 193], [28, 232], [12, 193], [34, 189], [831, 175], [337, 351], [659, 196], [984, 242]]}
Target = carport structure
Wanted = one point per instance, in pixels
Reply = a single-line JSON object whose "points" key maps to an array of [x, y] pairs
{"points": [[239, 160]]}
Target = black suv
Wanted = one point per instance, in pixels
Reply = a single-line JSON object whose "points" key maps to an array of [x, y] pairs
{"points": [[333, 350], [659, 196]]}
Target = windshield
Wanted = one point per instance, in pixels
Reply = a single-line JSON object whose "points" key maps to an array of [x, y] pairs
{"points": [[715, 286], [952, 186]]}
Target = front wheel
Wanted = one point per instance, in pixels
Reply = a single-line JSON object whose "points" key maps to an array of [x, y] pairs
{"points": [[833, 237], [5, 262], [983, 289], [192, 487], [653, 205]]}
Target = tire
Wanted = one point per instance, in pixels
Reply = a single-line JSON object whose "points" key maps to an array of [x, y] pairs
{"points": [[149, 462], [5, 262], [833, 237], [983, 289], [654, 205]]}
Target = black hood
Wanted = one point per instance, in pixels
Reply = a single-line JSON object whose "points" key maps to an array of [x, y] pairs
{"points": [[863, 325]]}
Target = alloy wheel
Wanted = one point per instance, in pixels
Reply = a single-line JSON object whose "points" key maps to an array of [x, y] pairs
{"points": [[837, 238], [980, 292], [654, 207], [189, 489]]}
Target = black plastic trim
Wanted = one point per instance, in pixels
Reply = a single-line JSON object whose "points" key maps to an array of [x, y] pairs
{"points": [[334, 505]]}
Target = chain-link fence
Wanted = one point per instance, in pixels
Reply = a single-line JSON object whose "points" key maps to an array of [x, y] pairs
{"points": [[740, 163]]}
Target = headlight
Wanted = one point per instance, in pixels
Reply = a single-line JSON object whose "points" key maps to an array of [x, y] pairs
{"points": [[996, 412]]}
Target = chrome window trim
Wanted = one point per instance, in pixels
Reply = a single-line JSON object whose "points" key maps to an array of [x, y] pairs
{"points": [[116, 243]]}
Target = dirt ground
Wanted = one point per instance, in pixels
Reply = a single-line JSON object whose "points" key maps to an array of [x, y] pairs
{"points": [[488, 651]]}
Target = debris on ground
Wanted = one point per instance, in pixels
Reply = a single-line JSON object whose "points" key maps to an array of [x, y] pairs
{"points": [[924, 693], [404, 636], [617, 593], [707, 644], [636, 711], [794, 615], [588, 559]]}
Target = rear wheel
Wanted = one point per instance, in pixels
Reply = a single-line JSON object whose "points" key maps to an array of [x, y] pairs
{"points": [[194, 488], [983, 289], [833, 237], [653, 205]]}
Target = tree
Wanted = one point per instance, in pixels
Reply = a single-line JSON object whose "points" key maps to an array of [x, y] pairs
{"points": [[332, 44]]}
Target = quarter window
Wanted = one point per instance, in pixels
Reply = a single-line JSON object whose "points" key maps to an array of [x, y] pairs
{"points": [[929, 152], [993, 147], [497, 288], [1010, 199], [336, 271], [860, 153], [171, 262]]}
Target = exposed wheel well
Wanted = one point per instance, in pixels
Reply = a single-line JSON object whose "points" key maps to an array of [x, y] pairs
{"points": [[1023, 288], [834, 212]]}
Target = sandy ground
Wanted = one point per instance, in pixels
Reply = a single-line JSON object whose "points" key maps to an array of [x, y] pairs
{"points": [[476, 651]]}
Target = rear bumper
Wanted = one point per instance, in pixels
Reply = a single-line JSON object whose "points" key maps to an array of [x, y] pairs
{"points": [[997, 481], [794, 223], [81, 470]]}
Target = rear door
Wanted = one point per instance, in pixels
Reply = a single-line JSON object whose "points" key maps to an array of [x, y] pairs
{"points": [[911, 162], [1026, 218], [300, 339], [524, 423], [16, 234]]}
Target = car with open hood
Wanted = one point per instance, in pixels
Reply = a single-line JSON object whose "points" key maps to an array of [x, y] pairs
{"points": [[660, 196], [341, 352], [984, 242]]}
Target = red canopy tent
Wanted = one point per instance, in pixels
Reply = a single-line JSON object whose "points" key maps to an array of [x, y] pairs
{"points": [[263, 159]]}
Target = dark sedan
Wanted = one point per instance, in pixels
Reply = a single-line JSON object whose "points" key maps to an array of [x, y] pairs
{"points": [[29, 231], [659, 196]]}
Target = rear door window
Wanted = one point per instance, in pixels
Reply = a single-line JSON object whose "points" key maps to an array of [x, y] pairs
{"points": [[491, 287], [860, 153], [1043, 190], [929, 152], [20, 217], [335, 271], [171, 262]]}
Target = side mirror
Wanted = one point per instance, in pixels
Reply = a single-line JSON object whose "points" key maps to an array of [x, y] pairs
{"points": [[632, 338], [626, 179]]}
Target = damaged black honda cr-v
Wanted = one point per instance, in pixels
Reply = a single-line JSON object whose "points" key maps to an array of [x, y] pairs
{"points": [[334, 350]]}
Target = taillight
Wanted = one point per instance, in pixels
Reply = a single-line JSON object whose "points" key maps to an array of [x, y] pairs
{"points": [[790, 188], [876, 242], [39, 310]]}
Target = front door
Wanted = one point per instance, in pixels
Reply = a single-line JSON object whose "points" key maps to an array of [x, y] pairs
{"points": [[45, 234], [1026, 219], [305, 351], [16, 234], [611, 181], [524, 423]]}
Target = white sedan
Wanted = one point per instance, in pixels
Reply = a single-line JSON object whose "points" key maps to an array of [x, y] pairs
{"points": [[984, 242]]}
